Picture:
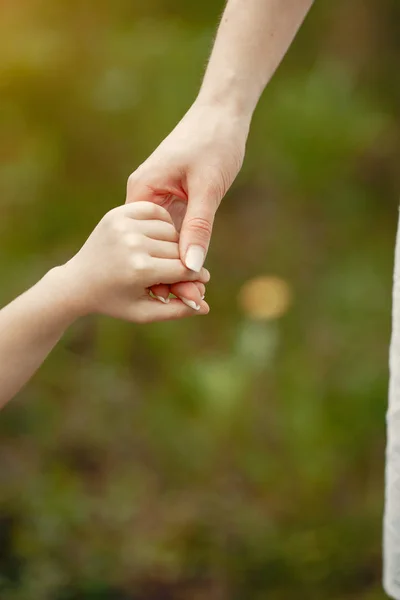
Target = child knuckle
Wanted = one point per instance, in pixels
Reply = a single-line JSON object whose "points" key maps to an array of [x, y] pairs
{"points": [[134, 241], [159, 212], [114, 222], [140, 262]]}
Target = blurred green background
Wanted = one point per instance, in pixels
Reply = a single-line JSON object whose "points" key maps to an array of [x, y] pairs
{"points": [[238, 456]]}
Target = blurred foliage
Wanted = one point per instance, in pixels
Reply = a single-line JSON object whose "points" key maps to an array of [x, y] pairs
{"points": [[238, 456]]}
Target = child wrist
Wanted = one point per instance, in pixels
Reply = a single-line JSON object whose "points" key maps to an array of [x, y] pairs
{"points": [[65, 288]]}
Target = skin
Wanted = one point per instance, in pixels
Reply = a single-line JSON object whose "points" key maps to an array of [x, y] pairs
{"points": [[193, 168], [133, 247], [187, 175]]}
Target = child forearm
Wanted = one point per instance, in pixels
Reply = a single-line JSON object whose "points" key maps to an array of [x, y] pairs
{"points": [[30, 327], [133, 248]]}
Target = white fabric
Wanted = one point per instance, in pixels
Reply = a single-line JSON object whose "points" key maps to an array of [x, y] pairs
{"points": [[391, 533]]}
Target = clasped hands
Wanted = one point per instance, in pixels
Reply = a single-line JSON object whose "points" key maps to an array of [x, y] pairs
{"points": [[188, 175]]}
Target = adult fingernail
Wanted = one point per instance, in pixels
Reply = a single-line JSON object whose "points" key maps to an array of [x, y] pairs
{"points": [[191, 303], [195, 258], [161, 299], [203, 296]]}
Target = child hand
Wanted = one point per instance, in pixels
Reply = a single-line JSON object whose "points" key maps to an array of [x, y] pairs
{"points": [[134, 247]]}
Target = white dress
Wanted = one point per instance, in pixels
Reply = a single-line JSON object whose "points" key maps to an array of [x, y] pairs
{"points": [[391, 533]]}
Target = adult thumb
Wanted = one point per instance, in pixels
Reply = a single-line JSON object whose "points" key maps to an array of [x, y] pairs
{"points": [[196, 231]]}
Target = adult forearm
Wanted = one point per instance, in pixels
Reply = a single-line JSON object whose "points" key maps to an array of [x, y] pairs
{"points": [[252, 39], [29, 328]]}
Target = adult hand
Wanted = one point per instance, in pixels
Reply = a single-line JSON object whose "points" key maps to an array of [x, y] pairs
{"points": [[189, 174]]}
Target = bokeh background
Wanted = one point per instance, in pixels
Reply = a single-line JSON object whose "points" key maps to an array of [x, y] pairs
{"points": [[238, 456]]}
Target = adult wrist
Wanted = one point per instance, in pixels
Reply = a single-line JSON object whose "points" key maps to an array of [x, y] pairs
{"points": [[231, 95], [227, 116]]}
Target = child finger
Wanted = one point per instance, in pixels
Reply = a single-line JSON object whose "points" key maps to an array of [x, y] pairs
{"points": [[158, 230], [142, 211], [160, 249]]}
